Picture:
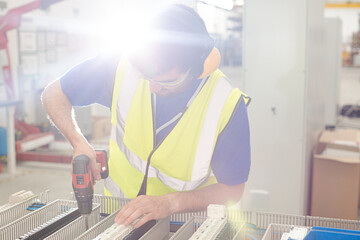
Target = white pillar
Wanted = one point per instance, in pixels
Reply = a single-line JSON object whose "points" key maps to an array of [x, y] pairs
{"points": [[11, 139], [283, 74]]}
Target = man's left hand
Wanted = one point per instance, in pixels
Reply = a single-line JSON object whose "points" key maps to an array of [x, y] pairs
{"points": [[146, 208]]}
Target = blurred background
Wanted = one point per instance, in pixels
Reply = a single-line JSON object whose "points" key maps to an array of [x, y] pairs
{"points": [[299, 60]]}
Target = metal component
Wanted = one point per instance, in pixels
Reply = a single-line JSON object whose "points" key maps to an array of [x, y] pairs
{"points": [[77, 227], [210, 229], [214, 224], [243, 224], [41, 217], [137, 233], [98, 228], [20, 196], [190, 228], [159, 231], [14, 212], [55, 224], [263, 219], [110, 205], [275, 231], [115, 231]]}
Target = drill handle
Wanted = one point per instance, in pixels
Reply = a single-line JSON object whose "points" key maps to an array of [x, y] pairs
{"points": [[81, 172], [101, 157]]}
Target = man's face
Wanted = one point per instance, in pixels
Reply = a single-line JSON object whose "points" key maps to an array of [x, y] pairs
{"points": [[170, 83]]}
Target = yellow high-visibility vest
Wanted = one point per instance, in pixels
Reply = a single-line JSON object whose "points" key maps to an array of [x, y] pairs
{"points": [[181, 162]]}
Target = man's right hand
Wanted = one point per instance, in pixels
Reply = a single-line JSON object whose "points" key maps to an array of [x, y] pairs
{"points": [[88, 150]]}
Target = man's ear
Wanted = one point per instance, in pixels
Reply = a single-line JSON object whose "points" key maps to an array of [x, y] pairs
{"points": [[211, 63]]}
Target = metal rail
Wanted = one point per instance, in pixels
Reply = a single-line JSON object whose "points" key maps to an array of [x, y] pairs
{"points": [[53, 225], [36, 218], [108, 204], [139, 232], [98, 228], [194, 223], [275, 231], [19, 210], [265, 226], [16, 211], [242, 223], [76, 228]]}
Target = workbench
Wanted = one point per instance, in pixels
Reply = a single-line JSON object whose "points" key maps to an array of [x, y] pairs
{"points": [[16, 221]]}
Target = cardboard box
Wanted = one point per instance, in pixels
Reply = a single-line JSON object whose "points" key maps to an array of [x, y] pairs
{"points": [[347, 139], [336, 175]]}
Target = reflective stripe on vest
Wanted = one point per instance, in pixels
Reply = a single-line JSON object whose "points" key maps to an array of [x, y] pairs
{"points": [[113, 188], [208, 132]]}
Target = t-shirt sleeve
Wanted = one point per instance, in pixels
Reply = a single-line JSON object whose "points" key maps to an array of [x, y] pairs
{"points": [[91, 81], [231, 158]]}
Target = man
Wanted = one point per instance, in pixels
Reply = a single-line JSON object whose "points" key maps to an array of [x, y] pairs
{"points": [[180, 133]]}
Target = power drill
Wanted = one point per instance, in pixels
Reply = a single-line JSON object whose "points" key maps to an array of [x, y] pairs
{"points": [[83, 182]]}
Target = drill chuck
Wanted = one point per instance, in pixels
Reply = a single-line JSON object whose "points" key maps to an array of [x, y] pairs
{"points": [[85, 207]]}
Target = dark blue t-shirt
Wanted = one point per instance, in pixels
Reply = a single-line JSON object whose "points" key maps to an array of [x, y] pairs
{"points": [[92, 82]]}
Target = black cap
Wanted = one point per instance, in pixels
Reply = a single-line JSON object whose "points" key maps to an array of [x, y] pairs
{"points": [[179, 38]]}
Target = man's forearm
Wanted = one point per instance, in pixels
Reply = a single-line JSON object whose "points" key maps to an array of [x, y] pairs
{"points": [[59, 109], [199, 199]]}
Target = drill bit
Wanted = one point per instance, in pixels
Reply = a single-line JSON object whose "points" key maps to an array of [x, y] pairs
{"points": [[86, 221]]}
